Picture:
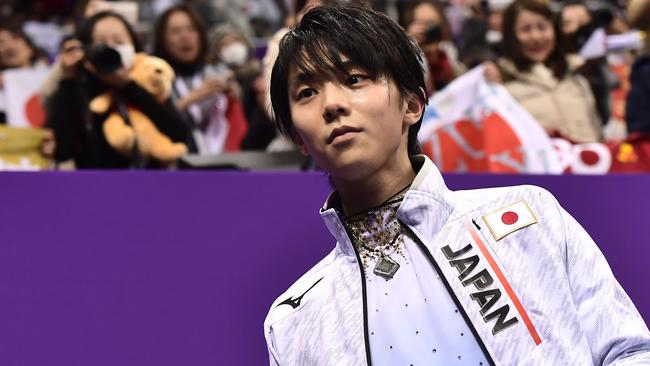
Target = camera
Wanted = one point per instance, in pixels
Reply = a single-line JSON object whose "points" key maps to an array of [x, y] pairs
{"points": [[107, 59], [104, 58], [433, 34]]}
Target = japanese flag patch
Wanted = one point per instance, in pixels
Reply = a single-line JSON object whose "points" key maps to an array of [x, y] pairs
{"points": [[509, 219]]}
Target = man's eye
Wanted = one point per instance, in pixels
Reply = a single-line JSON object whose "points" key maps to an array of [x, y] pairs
{"points": [[354, 79], [305, 93]]}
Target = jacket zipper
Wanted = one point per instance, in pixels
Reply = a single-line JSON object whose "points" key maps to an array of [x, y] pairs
{"points": [[451, 292], [366, 339]]}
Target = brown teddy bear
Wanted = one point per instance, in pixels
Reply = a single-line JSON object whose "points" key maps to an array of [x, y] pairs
{"points": [[155, 76]]}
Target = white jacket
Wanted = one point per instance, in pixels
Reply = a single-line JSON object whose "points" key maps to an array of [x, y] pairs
{"points": [[550, 277]]}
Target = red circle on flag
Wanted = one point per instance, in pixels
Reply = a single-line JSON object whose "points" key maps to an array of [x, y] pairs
{"points": [[509, 217], [34, 111], [589, 157]]}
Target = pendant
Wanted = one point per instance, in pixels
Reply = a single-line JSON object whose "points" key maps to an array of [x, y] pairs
{"points": [[386, 267]]}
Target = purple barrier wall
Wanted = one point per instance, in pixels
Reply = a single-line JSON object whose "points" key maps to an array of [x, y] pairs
{"points": [[134, 268]]}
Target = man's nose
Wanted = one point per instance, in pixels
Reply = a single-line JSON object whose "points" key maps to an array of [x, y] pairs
{"points": [[335, 101]]}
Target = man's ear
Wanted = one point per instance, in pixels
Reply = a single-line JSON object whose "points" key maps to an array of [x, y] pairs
{"points": [[414, 109], [297, 140]]}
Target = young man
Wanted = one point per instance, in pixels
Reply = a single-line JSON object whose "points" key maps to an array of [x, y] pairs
{"points": [[421, 275]]}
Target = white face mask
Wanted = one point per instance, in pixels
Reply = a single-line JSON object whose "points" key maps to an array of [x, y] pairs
{"points": [[493, 36], [127, 54], [234, 54]]}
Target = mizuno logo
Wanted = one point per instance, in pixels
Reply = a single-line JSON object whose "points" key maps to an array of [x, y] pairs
{"points": [[296, 302]]}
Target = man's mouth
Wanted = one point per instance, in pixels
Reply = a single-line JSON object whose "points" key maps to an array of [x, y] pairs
{"points": [[340, 132]]}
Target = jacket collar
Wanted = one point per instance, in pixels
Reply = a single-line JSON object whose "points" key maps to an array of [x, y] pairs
{"points": [[426, 207]]}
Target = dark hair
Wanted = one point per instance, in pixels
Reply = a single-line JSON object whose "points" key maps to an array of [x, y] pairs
{"points": [[511, 48], [85, 31], [159, 47], [298, 6], [370, 39], [407, 15]]}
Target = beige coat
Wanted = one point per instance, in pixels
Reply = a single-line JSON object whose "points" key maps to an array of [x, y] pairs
{"points": [[564, 106]]}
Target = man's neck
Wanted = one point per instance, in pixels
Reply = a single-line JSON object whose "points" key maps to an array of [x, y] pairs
{"points": [[375, 189]]}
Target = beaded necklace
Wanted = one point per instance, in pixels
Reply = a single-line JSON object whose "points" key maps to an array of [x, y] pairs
{"points": [[377, 235]]}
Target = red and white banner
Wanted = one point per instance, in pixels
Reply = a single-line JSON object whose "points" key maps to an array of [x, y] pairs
{"points": [[475, 126]]}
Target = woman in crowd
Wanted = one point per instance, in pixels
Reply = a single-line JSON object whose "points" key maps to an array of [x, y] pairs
{"points": [[18, 51], [542, 77], [208, 95], [425, 21], [79, 132], [229, 46]]}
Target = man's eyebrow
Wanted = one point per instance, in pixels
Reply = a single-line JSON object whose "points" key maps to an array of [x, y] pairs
{"points": [[304, 78], [313, 77], [349, 64]]}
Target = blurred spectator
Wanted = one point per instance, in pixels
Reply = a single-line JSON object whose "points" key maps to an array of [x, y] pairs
{"points": [[578, 24], [633, 154], [79, 132], [208, 95], [18, 51], [481, 33], [574, 15], [538, 73], [638, 101], [425, 21], [229, 46], [82, 10]]}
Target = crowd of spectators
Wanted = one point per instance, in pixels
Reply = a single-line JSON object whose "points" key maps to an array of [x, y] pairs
{"points": [[222, 52]]}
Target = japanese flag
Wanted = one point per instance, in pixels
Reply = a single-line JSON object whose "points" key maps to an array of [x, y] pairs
{"points": [[509, 219]]}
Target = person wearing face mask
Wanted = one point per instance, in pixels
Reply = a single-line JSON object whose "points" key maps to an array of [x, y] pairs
{"points": [[230, 47], [539, 74], [207, 95], [86, 74], [480, 36]]}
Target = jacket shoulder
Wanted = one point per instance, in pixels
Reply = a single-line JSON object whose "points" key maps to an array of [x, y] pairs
{"points": [[293, 295], [487, 198]]}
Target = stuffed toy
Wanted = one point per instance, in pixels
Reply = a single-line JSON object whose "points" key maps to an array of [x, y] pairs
{"points": [[155, 76]]}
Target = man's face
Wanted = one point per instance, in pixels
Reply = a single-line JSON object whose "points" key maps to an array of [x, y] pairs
{"points": [[350, 125]]}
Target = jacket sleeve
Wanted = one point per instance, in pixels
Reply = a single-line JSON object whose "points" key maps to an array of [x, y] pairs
{"points": [[614, 328], [274, 360], [165, 116]]}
